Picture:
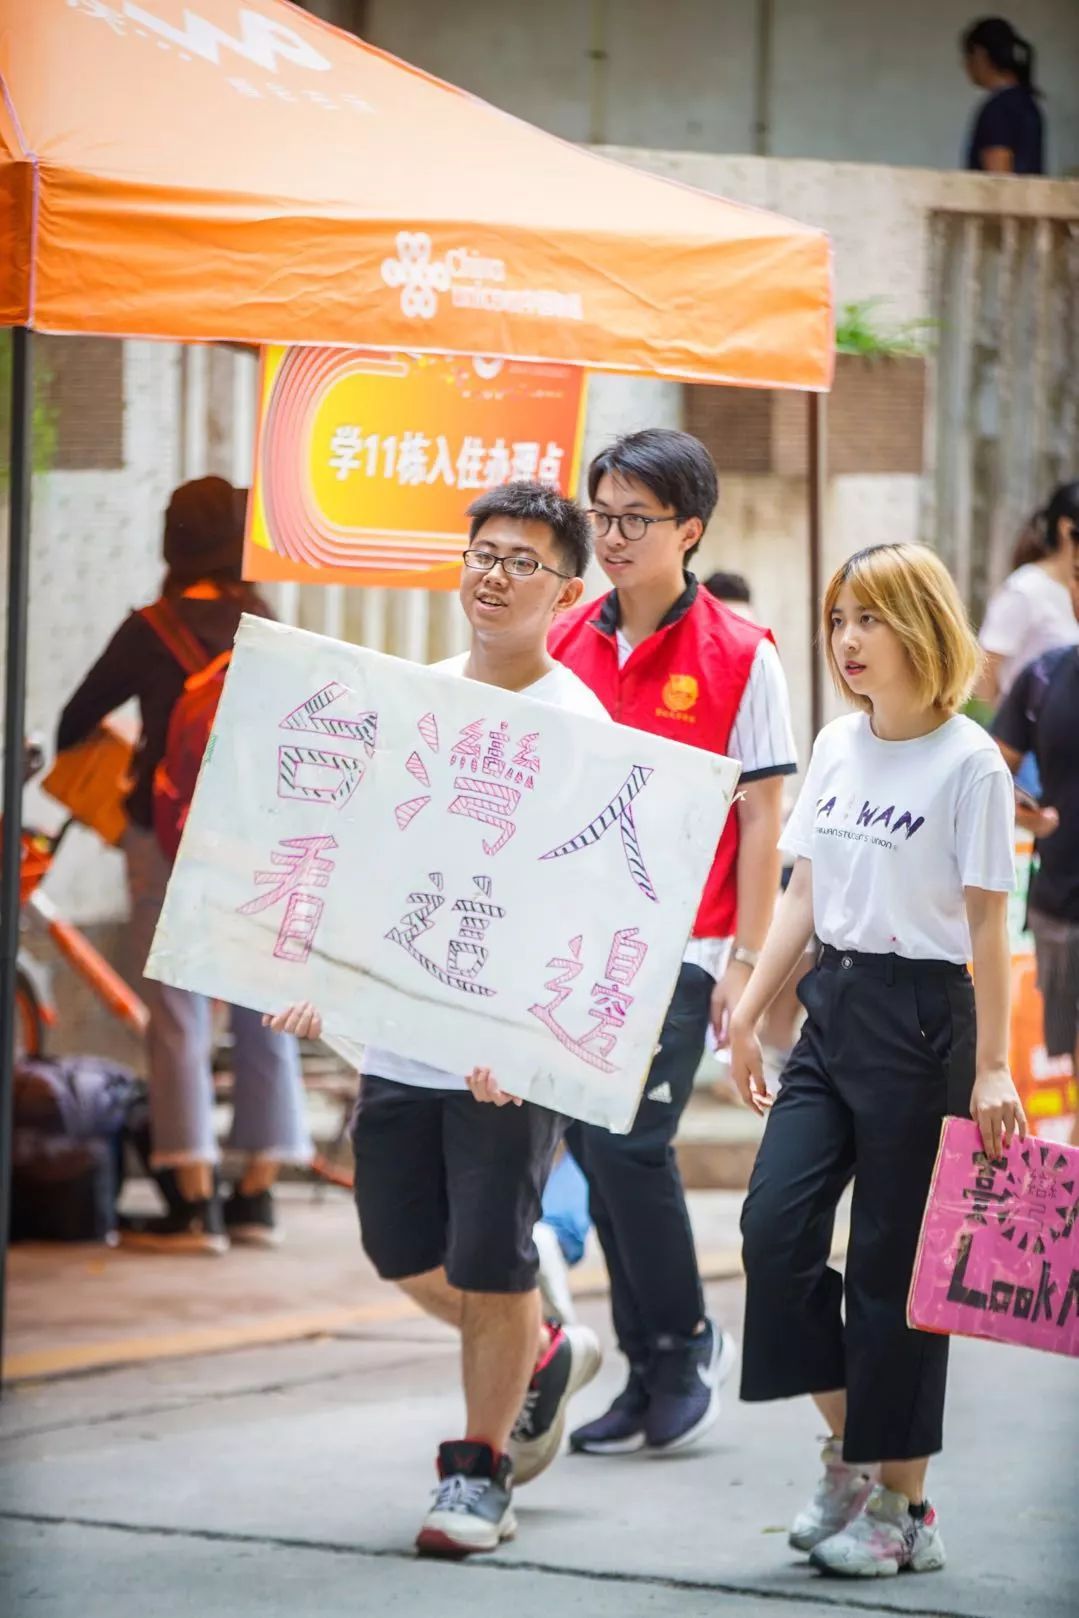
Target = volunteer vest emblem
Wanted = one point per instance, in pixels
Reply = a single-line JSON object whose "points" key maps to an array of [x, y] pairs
{"points": [[681, 692]]}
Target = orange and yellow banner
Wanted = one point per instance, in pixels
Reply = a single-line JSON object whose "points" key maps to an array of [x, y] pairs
{"points": [[366, 462]]}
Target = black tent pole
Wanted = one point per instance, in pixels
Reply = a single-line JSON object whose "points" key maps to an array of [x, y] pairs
{"points": [[14, 718], [816, 455]]}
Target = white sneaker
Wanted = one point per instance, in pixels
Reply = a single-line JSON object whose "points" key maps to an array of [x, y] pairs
{"points": [[840, 1495], [883, 1540], [571, 1363], [553, 1275]]}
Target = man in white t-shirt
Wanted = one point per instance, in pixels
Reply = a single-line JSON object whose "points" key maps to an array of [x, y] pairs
{"points": [[448, 1191]]}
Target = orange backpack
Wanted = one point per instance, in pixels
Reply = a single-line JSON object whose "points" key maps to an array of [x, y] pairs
{"points": [[190, 723]]}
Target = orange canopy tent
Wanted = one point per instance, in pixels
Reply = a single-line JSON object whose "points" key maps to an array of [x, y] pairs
{"points": [[242, 171], [238, 170]]}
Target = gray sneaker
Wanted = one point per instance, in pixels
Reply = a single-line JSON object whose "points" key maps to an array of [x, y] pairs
{"points": [[473, 1505], [840, 1495]]}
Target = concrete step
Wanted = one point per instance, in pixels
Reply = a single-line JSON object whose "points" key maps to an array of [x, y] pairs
{"points": [[717, 1143]]}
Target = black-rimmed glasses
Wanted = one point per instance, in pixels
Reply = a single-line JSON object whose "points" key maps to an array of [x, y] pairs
{"points": [[631, 524], [514, 567]]}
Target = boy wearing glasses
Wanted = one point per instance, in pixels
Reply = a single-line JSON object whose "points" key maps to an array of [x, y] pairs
{"points": [[665, 656], [448, 1191]]}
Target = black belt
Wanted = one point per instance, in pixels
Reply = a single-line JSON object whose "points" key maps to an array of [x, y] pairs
{"points": [[888, 967]]}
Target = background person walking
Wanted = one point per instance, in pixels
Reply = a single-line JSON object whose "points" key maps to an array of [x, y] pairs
{"points": [[1008, 134], [1031, 612], [199, 609], [1040, 716]]}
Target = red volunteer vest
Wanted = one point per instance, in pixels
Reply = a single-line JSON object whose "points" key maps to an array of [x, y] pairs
{"points": [[685, 682]]}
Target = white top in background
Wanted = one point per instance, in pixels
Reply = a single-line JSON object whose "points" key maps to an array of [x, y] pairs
{"points": [[562, 689], [1030, 614], [897, 830]]}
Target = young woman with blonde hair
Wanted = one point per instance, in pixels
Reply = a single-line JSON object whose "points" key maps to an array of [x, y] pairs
{"points": [[903, 837]]}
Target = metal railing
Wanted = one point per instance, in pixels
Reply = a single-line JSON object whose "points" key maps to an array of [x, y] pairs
{"points": [[1003, 426]]}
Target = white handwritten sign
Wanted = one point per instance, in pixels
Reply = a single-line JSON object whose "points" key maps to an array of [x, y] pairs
{"points": [[449, 871]]}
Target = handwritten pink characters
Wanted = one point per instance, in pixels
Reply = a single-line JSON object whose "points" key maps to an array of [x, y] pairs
{"points": [[610, 999], [493, 772], [619, 811], [326, 775], [467, 952], [299, 864]]}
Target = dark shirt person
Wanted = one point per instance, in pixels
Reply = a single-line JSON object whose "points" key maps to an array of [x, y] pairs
{"points": [[1041, 716], [1008, 133]]}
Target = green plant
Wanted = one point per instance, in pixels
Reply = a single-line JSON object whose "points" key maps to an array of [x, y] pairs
{"points": [[43, 424], [857, 332]]}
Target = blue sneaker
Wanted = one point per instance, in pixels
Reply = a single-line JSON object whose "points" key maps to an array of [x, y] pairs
{"points": [[684, 1380], [620, 1430]]}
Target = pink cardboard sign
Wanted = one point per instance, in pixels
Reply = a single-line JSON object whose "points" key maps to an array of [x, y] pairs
{"points": [[999, 1249]]}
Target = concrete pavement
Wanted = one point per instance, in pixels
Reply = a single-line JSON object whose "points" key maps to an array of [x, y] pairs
{"points": [[78, 1308], [280, 1479]]}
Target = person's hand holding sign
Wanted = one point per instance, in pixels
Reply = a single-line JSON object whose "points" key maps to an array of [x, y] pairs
{"points": [[997, 1110], [302, 1019], [484, 1087]]}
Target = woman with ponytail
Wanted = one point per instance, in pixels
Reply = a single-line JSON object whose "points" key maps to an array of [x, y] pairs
{"points": [[1008, 136], [1031, 612]]}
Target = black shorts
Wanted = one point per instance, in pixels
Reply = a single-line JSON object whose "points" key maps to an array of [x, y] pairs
{"points": [[443, 1180]]}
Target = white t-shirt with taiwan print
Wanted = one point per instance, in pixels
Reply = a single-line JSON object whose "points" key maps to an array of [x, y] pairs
{"points": [[895, 832], [562, 689]]}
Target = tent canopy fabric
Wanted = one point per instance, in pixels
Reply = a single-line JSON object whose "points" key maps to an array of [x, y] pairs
{"points": [[238, 170]]}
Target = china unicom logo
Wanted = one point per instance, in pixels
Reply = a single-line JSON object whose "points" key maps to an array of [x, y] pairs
{"points": [[471, 280], [418, 276]]}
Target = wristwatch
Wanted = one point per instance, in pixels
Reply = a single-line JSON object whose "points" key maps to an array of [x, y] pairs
{"points": [[745, 957]]}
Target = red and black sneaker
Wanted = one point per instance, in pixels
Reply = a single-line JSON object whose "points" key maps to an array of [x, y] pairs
{"points": [[571, 1361], [472, 1508]]}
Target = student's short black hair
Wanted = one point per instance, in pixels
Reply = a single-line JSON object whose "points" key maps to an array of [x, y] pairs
{"points": [[675, 466], [728, 587], [538, 502]]}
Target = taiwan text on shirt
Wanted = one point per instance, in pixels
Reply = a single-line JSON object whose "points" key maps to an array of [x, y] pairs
{"points": [[896, 831]]}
